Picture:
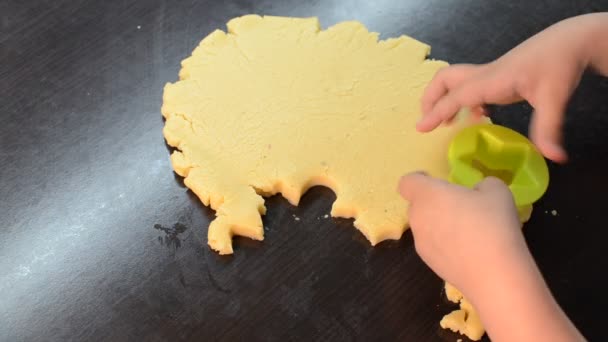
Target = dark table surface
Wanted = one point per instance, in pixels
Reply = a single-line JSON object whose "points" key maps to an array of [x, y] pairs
{"points": [[99, 240]]}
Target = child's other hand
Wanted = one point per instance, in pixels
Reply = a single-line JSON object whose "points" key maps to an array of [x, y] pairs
{"points": [[460, 232], [544, 70], [472, 239]]}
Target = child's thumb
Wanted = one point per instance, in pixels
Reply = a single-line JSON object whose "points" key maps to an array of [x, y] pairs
{"points": [[491, 185], [546, 127], [416, 184]]}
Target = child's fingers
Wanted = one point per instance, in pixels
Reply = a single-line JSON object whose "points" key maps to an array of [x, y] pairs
{"points": [[470, 94], [478, 112], [546, 124], [416, 185], [445, 79], [492, 185]]}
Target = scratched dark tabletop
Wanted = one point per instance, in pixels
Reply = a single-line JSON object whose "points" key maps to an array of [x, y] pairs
{"points": [[100, 241]]}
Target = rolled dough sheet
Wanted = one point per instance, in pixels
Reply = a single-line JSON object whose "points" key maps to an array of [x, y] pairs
{"points": [[276, 105]]}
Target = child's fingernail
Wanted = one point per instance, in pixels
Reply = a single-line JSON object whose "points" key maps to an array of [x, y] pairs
{"points": [[485, 111], [420, 123]]}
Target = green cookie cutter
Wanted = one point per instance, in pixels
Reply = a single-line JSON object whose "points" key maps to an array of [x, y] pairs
{"points": [[485, 150]]}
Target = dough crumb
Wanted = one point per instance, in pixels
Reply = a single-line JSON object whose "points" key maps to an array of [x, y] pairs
{"points": [[139, 27], [465, 320], [326, 216], [554, 212], [295, 217]]}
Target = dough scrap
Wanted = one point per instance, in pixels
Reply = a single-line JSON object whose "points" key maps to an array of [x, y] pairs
{"points": [[465, 320], [277, 105]]}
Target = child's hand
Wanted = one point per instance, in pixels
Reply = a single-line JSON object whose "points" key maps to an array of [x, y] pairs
{"points": [[472, 239], [544, 70], [458, 231]]}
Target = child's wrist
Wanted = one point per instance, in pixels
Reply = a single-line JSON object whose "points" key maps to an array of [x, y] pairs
{"points": [[513, 295], [500, 277], [495, 268]]}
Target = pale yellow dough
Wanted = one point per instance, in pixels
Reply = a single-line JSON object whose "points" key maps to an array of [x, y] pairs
{"points": [[464, 320], [277, 106]]}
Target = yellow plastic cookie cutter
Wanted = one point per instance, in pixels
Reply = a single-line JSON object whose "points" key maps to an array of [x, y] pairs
{"points": [[491, 150]]}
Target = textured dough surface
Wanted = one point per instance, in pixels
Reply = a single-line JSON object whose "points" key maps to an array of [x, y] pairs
{"points": [[276, 105]]}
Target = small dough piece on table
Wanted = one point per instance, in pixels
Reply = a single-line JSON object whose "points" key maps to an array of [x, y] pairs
{"points": [[465, 320], [452, 293], [276, 105]]}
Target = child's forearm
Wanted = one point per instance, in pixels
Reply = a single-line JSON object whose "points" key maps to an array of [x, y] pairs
{"points": [[516, 305], [598, 43]]}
